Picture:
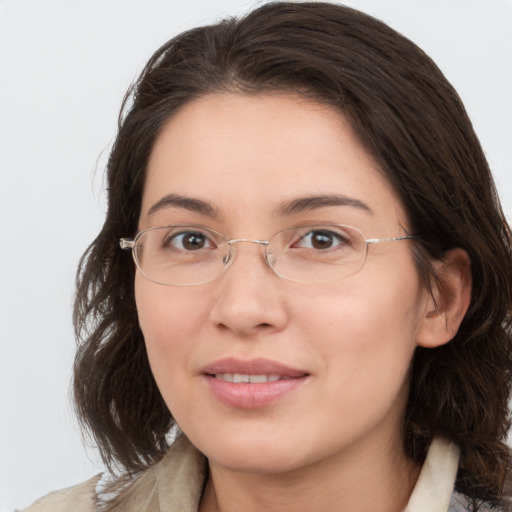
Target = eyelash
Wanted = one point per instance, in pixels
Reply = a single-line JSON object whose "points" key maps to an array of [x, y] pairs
{"points": [[327, 233], [330, 236], [169, 239]]}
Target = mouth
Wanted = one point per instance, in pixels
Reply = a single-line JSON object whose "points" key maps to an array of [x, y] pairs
{"points": [[252, 384], [241, 377], [253, 371]]}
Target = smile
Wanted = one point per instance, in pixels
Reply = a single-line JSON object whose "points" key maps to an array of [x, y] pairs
{"points": [[252, 384]]}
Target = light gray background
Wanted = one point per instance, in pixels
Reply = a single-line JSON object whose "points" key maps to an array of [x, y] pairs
{"points": [[64, 67]]}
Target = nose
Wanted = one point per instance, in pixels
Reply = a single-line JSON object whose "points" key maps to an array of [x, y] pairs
{"points": [[250, 296]]}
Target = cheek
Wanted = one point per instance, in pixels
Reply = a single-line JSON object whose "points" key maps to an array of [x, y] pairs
{"points": [[169, 321], [165, 313], [366, 329], [359, 313]]}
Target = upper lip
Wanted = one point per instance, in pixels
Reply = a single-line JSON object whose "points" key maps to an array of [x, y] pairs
{"points": [[259, 366]]}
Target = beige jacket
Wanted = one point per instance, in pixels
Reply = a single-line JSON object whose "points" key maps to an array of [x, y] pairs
{"points": [[175, 485]]}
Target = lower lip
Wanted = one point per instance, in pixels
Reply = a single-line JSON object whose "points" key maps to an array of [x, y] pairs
{"points": [[248, 395]]}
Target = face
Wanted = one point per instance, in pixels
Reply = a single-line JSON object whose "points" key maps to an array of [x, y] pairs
{"points": [[340, 349]]}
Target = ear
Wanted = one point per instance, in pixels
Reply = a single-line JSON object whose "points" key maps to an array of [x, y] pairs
{"points": [[449, 300]]}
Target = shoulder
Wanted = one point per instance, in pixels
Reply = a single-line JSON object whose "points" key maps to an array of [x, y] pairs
{"points": [[460, 503], [174, 483], [79, 498]]}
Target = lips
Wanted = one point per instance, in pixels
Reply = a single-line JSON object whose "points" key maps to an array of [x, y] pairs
{"points": [[243, 377], [251, 384]]}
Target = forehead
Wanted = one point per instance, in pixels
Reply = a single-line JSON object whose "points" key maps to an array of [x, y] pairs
{"points": [[249, 154]]}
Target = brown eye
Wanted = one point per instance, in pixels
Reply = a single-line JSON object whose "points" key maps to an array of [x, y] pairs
{"points": [[189, 241], [193, 241], [321, 240]]}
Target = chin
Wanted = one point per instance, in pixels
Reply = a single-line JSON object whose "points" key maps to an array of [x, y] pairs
{"points": [[256, 461], [250, 452]]}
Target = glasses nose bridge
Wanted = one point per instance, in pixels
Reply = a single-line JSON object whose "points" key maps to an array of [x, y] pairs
{"points": [[232, 249], [250, 240]]}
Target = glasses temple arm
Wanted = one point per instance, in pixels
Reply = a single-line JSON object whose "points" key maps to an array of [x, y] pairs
{"points": [[377, 240]]}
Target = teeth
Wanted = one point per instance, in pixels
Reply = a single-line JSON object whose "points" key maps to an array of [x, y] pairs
{"points": [[258, 378], [239, 377]]}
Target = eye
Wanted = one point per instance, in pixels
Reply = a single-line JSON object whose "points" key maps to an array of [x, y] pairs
{"points": [[188, 241], [321, 239]]}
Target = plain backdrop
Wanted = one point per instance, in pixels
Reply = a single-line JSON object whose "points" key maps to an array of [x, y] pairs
{"points": [[64, 67]]}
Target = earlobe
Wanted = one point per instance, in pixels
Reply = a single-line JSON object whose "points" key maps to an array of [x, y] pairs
{"points": [[449, 300]]}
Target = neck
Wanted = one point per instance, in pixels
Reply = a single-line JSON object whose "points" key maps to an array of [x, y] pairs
{"points": [[355, 481]]}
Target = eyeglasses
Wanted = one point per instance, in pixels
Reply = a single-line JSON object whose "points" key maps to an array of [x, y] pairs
{"points": [[192, 255]]}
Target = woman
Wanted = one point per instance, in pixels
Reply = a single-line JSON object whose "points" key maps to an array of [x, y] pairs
{"points": [[319, 309]]}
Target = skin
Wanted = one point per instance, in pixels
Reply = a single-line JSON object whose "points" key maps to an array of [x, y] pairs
{"points": [[334, 442]]}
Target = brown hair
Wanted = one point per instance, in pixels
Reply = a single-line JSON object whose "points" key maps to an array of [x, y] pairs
{"points": [[412, 121]]}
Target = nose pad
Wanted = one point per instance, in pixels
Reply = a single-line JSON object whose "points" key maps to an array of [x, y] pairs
{"points": [[227, 259], [232, 251], [270, 257]]}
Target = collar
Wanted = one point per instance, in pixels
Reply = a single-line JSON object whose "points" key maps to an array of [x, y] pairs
{"points": [[435, 484]]}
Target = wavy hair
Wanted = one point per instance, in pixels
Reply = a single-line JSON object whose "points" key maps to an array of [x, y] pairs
{"points": [[412, 121]]}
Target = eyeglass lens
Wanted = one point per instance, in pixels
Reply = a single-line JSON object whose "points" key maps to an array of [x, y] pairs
{"points": [[189, 255]]}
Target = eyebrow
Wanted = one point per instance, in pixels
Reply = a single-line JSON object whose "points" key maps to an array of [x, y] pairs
{"points": [[187, 203], [309, 203], [292, 207]]}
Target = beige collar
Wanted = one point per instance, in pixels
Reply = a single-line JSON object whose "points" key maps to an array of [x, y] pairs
{"points": [[435, 484]]}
